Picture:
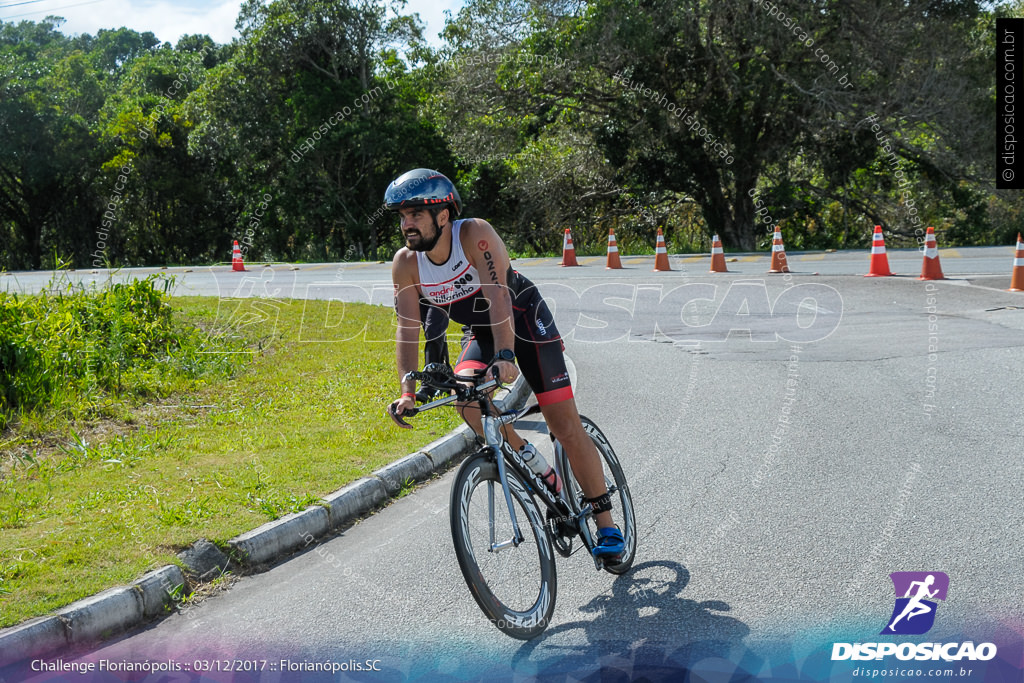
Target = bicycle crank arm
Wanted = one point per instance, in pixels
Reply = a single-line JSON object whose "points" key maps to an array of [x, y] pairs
{"points": [[584, 529]]}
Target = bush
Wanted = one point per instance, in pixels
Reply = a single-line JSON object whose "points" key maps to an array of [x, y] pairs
{"points": [[70, 348]]}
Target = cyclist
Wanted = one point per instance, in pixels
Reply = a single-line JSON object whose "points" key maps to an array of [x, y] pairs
{"points": [[463, 268]]}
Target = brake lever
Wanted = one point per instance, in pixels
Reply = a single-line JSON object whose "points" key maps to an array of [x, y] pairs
{"points": [[398, 418], [492, 371]]}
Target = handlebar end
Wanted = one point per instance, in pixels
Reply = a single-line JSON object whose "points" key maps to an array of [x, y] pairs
{"points": [[398, 418]]}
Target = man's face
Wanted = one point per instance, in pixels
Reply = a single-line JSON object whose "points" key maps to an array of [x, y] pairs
{"points": [[418, 228]]}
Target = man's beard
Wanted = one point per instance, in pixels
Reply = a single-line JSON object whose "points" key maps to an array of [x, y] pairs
{"points": [[424, 244]]}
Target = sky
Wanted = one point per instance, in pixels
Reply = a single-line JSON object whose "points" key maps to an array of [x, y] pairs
{"points": [[169, 20]]}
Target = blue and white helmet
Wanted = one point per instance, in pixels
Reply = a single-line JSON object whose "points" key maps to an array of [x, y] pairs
{"points": [[422, 187]]}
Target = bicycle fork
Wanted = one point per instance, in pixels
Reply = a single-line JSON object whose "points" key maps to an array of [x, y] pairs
{"points": [[492, 434]]}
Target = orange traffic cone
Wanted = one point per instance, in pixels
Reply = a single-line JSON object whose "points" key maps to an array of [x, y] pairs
{"points": [[717, 256], [568, 251], [613, 251], [879, 261], [236, 258], [661, 254], [1017, 282], [931, 269], [779, 264]]}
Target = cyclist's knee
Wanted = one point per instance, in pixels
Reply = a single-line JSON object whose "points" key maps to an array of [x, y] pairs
{"points": [[568, 431]]}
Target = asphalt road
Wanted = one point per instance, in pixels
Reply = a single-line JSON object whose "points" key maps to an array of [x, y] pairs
{"points": [[373, 280], [789, 441]]}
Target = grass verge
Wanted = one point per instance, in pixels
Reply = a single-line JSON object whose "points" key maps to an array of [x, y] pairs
{"points": [[118, 497]]}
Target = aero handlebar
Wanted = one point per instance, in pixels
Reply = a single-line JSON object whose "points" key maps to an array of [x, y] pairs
{"points": [[440, 377]]}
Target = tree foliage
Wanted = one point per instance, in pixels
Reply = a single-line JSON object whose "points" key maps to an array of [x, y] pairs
{"points": [[736, 106], [695, 116]]}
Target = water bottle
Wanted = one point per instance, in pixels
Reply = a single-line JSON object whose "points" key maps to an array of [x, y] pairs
{"points": [[540, 466]]}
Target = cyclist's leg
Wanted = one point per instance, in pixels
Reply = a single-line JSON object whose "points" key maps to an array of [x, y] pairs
{"points": [[542, 362], [435, 327], [477, 350], [563, 420]]}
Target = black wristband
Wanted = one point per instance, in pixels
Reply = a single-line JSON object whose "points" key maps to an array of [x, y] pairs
{"points": [[507, 355]]}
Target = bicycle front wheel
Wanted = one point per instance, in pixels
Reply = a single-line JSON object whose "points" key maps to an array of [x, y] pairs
{"points": [[514, 583], [615, 480]]}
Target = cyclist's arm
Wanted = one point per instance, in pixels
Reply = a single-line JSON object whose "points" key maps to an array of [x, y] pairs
{"points": [[407, 308], [486, 251]]}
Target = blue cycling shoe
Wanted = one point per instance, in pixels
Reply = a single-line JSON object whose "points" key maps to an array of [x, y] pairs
{"points": [[610, 543]]}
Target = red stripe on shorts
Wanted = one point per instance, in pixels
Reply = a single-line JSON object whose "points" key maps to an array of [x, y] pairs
{"points": [[554, 396], [470, 365]]}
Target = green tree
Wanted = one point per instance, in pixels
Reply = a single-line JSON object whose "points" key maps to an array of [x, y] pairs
{"points": [[49, 99], [658, 89], [170, 208], [316, 111]]}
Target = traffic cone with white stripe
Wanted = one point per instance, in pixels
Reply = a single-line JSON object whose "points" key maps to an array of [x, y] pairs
{"points": [[236, 258], [779, 264], [879, 261], [1017, 281], [717, 256], [614, 263], [661, 254], [931, 269], [568, 251]]}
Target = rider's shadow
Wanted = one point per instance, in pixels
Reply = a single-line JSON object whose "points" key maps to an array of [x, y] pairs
{"points": [[643, 626]]}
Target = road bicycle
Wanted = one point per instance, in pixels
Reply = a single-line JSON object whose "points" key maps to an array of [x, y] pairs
{"points": [[495, 497]]}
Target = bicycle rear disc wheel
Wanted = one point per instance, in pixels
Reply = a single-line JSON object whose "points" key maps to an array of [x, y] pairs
{"points": [[615, 480], [514, 585]]}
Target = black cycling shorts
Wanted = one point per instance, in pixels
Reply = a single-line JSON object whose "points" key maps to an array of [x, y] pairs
{"points": [[538, 347]]}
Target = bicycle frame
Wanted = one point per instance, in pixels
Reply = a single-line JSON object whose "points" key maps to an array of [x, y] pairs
{"points": [[505, 456]]}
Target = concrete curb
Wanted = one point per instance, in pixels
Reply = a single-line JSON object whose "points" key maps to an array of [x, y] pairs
{"points": [[95, 617], [101, 615], [454, 444], [415, 466], [354, 500], [118, 609], [157, 586], [273, 539], [34, 638]]}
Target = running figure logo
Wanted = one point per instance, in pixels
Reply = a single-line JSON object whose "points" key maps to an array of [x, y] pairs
{"points": [[914, 612]]}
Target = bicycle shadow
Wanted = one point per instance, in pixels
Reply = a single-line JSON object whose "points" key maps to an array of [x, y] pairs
{"points": [[643, 627]]}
